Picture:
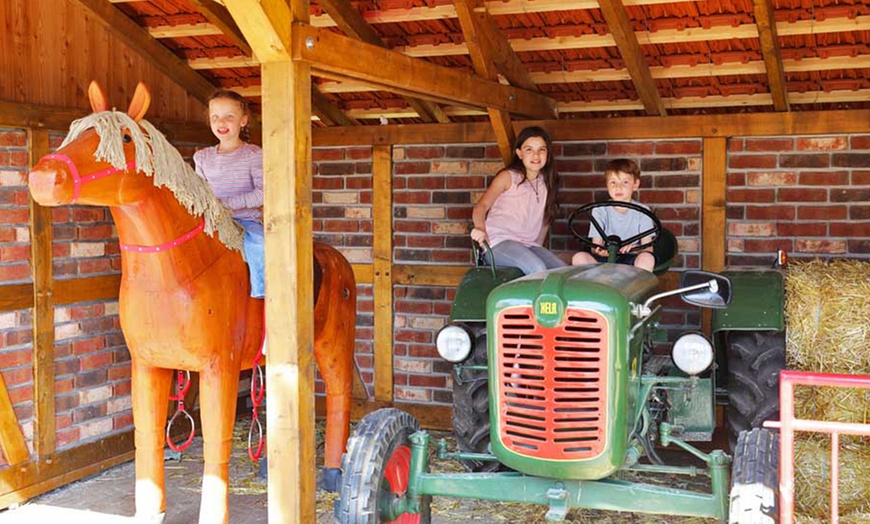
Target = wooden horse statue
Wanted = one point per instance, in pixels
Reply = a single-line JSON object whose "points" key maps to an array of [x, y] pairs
{"points": [[184, 300]]}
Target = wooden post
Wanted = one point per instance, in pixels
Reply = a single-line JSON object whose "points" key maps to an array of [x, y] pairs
{"points": [[43, 311], [713, 232], [382, 226]]}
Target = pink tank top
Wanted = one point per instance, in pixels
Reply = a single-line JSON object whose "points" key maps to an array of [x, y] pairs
{"points": [[518, 213]]}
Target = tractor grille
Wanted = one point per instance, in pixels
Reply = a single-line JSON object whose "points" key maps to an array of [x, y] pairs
{"points": [[552, 384]]}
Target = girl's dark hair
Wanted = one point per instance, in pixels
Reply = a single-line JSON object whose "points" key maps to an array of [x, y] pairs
{"points": [[245, 133], [549, 173]]}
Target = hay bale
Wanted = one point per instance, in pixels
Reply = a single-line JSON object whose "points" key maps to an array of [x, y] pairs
{"points": [[813, 476]]}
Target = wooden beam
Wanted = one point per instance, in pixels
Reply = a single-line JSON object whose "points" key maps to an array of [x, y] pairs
{"points": [[325, 51], [496, 7], [480, 47], [223, 62], [16, 296], [11, 437], [629, 48], [218, 16], [142, 43], [328, 112], [265, 26], [682, 126], [183, 30], [770, 51], [351, 22], [438, 417], [664, 36], [87, 289], [713, 190], [41, 236], [382, 247]]}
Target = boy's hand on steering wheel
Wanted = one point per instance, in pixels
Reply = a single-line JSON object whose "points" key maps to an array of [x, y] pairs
{"points": [[600, 251]]}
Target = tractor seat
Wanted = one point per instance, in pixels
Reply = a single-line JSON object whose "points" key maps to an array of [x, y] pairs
{"points": [[665, 249]]}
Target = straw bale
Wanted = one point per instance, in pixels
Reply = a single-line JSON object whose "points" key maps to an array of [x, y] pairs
{"points": [[813, 476]]}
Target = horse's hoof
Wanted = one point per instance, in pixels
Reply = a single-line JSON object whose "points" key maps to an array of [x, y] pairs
{"points": [[331, 479], [263, 472]]}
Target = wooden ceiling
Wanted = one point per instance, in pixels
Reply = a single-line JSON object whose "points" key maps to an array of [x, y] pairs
{"points": [[591, 58]]}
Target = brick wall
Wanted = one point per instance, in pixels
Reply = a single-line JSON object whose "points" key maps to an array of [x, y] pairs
{"points": [[807, 195], [14, 212]]}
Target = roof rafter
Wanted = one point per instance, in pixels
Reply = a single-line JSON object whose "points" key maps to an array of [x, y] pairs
{"points": [[325, 52], [351, 22], [771, 53], [149, 49], [632, 56]]}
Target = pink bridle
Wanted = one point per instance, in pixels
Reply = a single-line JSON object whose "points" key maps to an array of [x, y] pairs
{"points": [[79, 181]]}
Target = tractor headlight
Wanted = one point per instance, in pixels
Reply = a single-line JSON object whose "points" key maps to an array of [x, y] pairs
{"points": [[453, 343], [692, 353]]}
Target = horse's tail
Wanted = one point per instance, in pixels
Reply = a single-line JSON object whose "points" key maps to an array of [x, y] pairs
{"points": [[334, 335]]}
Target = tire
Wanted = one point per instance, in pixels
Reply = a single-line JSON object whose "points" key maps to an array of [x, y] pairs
{"points": [[471, 425], [755, 359], [754, 478], [376, 466]]}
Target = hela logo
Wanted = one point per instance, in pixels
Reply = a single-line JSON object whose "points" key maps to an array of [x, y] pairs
{"points": [[548, 308]]}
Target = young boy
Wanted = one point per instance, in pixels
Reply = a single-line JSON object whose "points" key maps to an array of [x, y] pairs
{"points": [[622, 177]]}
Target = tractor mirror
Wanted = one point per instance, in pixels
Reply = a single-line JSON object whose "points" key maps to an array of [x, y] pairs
{"points": [[705, 289]]}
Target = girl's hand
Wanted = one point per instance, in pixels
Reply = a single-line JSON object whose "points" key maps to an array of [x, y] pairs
{"points": [[479, 236]]}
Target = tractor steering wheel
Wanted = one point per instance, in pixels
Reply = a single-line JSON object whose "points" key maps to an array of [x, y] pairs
{"points": [[612, 243]]}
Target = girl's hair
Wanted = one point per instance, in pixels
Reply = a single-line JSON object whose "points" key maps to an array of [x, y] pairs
{"points": [[548, 172], [245, 133]]}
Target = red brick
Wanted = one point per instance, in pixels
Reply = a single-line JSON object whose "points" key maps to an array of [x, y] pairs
{"points": [[769, 144], [14, 358], [822, 212], [849, 229], [358, 182], [851, 160], [412, 168], [427, 182], [860, 142], [578, 166], [751, 229], [407, 197], [122, 421], [655, 196], [823, 178], [772, 178], [14, 272], [413, 307], [803, 245], [14, 253], [683, 147], [736, 144], [861, 178], [359, 153], [424, 152], [850, 195], [752, 245], [859, 212], [450, 257], [13, 139], [411, 226], [18, 159], [22, 394], [752, 161], [88, 345], [751, 195], [801, 195], [858, 246], [615, 149], [322, 183], [690, 181], [333, 153], [345, 226], [405, 335], [430, 241], [15, 216], [821, 143], [82, 215], [336, 169], [770, 212], [736, 179], [97, 361], [427, 381], [801, 229], [804, 160]]}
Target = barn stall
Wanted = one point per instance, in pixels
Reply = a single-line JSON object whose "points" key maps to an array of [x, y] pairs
{"points": [[381, 124]]}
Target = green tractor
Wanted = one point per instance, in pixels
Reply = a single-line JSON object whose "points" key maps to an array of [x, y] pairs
{"points": [[559, 400]]}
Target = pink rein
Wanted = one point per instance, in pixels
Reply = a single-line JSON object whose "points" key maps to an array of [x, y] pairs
{"points": [[79, 181]]}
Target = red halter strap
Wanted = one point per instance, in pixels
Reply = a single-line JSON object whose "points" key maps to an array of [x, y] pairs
{"points": [[79, 181], [166, 246]]}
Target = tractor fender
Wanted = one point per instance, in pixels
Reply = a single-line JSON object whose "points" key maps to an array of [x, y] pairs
{"points": [[756, 302], [469, 304]]}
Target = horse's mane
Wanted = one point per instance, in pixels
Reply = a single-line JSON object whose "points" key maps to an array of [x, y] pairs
{"points": [[159, 159]]}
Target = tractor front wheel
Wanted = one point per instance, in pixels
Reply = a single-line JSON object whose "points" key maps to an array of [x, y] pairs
{"points": [[755, 359], [471, 408], [754, 478], [376, 468]]}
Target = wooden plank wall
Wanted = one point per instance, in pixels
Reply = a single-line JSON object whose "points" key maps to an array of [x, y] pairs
{"points": [[50, 50]]}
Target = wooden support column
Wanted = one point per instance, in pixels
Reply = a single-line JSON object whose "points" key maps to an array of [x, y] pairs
{"points": [[382, 225], [289, 255], [714, 235], [43, 311]]}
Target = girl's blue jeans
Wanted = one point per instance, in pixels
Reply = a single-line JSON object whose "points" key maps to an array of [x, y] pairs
{"points": [[530, 259], [256, 256]]}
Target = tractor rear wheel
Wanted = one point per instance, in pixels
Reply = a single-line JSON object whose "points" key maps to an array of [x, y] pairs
{"points": [[754, 478], [471, 408], [377, 467], [755, 359]]}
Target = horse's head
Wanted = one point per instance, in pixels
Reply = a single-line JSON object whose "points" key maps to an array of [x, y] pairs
{"points": [[96, 164]]}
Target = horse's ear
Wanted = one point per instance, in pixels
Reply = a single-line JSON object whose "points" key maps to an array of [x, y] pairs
{"points": [[97, 97], [139, 104]]}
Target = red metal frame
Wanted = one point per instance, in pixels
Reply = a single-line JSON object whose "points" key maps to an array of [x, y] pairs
{"points": [[788, 424]]}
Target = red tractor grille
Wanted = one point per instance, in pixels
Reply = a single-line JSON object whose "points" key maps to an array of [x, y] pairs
{"points": [[552, 384]]}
